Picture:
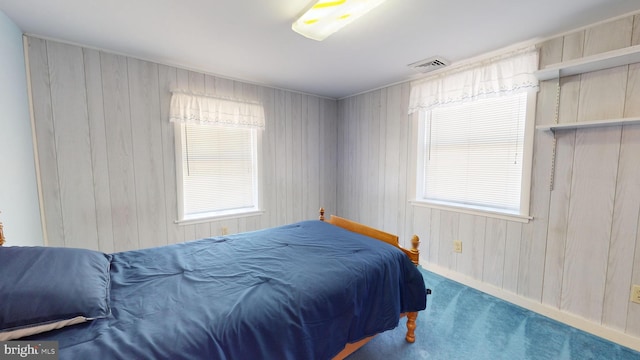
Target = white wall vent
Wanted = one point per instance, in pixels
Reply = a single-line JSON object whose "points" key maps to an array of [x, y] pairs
{"points": [[430, 64]]}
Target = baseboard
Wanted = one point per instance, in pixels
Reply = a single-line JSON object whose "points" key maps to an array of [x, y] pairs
{"points": [[575, 321]]}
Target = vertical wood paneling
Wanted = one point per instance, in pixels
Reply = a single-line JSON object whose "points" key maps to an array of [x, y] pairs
{"points": [[372, 159], [281, 157], [608, 36], [106, 135], [623, 231], [69, 107], [99, 157], [364, 209], [632, 109], [189, 232], [289, 155], [392, 149], [494, 251], [449, 225], [590, 212], [559, 202], [224, 87], [633, 314], [330, 152], [324, 152], [343, 116], [147, 152], [471, 231], [346, 134], [295, 184], [268, 157], [45, 135], [115, 89], [312, 157], [382, 158], [590, 221], [625, 217], [434, 237], [304, 154], [467, 234], [635, 37], [404, 127], [512, 256], [618, 263]]}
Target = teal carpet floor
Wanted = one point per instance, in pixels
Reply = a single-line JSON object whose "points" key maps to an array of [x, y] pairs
{"points": [[466, 324]]}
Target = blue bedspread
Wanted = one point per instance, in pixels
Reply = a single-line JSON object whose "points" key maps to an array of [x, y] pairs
{"points": [[299, 291]]}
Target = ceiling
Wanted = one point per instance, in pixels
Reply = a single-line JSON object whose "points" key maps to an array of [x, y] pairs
{"points": [[252, 40]]}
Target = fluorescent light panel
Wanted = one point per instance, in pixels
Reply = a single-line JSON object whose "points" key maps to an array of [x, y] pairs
{"points": [[328, 16]]}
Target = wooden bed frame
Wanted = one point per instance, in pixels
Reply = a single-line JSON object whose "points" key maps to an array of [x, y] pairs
{"points": [[413, 254]]}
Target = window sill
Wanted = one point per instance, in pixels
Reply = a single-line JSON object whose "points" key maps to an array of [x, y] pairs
{"points": [[473, 211], [218, 216]]}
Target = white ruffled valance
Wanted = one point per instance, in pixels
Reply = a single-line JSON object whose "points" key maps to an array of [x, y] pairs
{"points": [[203, 109], [506, 74]]}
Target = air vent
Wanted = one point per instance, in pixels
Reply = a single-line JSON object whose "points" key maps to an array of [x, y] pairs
{"points": [[430, 64]]}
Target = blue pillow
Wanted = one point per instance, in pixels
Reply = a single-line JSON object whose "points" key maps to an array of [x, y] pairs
{"points": [[45, 288]]}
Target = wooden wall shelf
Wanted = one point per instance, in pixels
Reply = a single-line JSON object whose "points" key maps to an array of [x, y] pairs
{"points": [[606, 60]]}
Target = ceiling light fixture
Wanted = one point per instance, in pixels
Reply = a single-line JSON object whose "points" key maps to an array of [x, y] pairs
{"points": [[328, 16]]}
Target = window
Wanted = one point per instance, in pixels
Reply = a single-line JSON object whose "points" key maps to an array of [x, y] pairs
{"points": [[476, 137], [472, 154], [219, 170], [217, 143]]}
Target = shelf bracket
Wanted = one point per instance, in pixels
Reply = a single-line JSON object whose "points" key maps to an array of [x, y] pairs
{"points": [[554, 141]]}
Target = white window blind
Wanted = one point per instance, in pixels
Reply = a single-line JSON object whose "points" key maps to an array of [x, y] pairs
{"points": [[473, 153], [216, 154], [219, 169]]}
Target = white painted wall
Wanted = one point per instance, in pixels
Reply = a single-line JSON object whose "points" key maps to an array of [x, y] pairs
{"points": [[18, 191]]}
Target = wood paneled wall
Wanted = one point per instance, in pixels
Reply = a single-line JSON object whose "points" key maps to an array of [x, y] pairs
{"points": [[107, 159], [581, 252]]}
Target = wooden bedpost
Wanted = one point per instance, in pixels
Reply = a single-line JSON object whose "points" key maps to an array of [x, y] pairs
{"points": [[321, 214], [414, 255], [411, 327], [1, 234]]}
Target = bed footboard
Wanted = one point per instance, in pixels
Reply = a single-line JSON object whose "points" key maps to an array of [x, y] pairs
{"points": [[413, 254]]}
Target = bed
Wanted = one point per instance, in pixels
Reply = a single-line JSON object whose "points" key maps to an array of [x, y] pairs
{"points": [[315, 289]]}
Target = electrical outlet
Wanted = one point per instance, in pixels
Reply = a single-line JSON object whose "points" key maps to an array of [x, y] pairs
{"points": [[457, 246], [224, 230], [635, 294]]}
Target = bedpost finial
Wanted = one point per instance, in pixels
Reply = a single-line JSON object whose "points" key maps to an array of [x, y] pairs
{"points": [[415, 243], [321, 214]]}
